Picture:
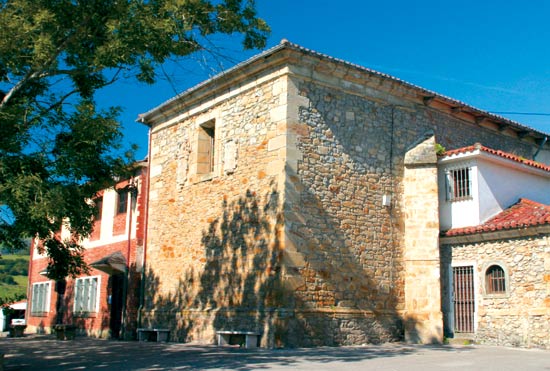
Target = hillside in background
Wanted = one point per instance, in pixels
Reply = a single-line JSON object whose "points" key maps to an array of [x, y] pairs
{"points": [[13, 275]]}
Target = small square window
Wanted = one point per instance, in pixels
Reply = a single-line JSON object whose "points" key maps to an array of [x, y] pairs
{"points": [[459, 184]]}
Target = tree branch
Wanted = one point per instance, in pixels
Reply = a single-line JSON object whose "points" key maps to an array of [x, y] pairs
{"points": [[30, 75]]}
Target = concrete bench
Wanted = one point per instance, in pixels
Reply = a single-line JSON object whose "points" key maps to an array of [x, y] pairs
{"points": [[237, 337], [153, 334]]}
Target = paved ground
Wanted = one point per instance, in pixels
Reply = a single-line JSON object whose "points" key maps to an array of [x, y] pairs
{"points": [[46, 353]]}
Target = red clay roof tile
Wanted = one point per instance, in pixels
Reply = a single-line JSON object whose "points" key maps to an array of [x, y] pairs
{"points": [[502, 154], [522, 214]]}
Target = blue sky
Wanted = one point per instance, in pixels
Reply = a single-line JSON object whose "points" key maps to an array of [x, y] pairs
{"points": [[493, 55]]}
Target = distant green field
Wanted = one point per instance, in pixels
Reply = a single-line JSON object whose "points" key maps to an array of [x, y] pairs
{"points": [[14, 265]]}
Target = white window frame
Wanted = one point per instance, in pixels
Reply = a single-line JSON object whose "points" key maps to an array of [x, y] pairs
{"points": [[466, 184], [91, 304], [46, 294]]}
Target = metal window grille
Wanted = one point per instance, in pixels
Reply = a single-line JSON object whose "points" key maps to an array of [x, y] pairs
{"points": [[495, 280], [459, 184], [463, 298]]}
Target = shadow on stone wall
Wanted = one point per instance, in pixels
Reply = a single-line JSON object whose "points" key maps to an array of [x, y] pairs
{"points": [[346, 242], [244, 282], [350, 285], [237, 285], [340, 278]]}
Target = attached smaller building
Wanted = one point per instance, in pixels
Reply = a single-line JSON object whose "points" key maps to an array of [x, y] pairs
{"points": [[105, 302], [495, 247]]}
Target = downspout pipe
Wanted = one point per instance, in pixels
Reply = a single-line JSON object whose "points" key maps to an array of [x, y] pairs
{"points": [[132, 191], [540, 148], [145, 230], [30, 280]]}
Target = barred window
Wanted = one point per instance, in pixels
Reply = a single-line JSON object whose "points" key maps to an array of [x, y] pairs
{"points": [[495, 280], [40, 302], [459, 184], [86, 294]]}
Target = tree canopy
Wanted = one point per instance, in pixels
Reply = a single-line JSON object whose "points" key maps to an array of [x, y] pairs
{"points": [[58, 149]]}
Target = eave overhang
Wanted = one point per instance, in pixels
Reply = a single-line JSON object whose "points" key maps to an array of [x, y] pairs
{"points": [[281, 53], [502, 234]]}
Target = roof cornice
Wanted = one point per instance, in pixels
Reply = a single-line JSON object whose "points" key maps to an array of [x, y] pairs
{"points": [[281, 52], [483, 236], [495, 156]]}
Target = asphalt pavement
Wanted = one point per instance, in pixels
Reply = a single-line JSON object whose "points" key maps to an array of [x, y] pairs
{"points": [[46, 353]]}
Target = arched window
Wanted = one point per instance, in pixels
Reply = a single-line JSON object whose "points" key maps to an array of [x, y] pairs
{"points": [[495, 280]]}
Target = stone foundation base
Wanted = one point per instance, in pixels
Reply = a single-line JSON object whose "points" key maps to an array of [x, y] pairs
{"points": [[282, 328], [424, 328], [527, 331], [47, 330]]}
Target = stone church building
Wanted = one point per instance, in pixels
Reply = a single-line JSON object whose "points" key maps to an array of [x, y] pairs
{"points": [[297, 196]]}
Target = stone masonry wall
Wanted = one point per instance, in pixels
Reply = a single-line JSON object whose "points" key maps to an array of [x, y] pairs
{"points": [[288, 236], [521, 317], [423, 317], [344, 250], [341, 250], [214, 240]]}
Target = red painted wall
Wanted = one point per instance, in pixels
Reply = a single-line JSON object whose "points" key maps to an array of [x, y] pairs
{"points": [[96, 324]]}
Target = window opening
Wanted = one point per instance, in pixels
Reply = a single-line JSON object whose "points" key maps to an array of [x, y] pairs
{"points": [[206, 148], [122, 204], [459, 184], [86, 295], [495, 280], [40, 297], [98, 208]]}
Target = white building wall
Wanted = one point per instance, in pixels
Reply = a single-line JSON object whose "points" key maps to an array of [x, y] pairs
{"points": [[461, 213], [108, 213], [501, 187], [497, 183]]}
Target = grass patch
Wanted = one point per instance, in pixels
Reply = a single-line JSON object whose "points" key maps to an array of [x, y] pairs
{"points": [[6, 264], [9, 291], [14, 257]]}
